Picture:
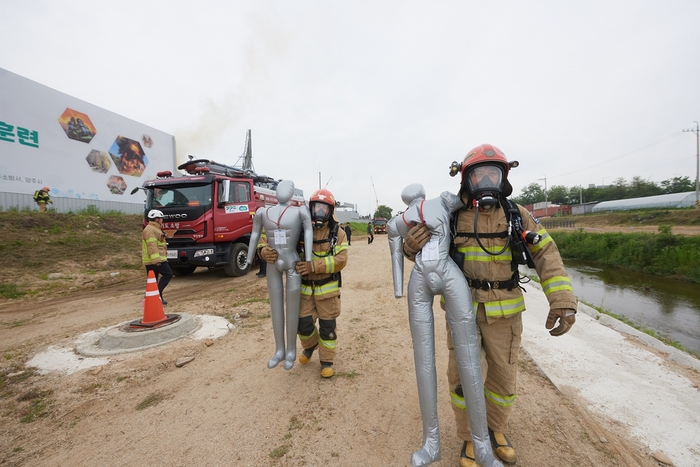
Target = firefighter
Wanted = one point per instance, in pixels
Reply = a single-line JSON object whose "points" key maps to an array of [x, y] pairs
{"points": [[321, 281], [491, 237], [154, 251], [42, 198]]}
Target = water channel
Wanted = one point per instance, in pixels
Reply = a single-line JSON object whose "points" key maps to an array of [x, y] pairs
{"points": [[669, 307]]}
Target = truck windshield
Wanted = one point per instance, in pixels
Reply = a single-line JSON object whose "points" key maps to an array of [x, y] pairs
{"points": [[172, 195]]}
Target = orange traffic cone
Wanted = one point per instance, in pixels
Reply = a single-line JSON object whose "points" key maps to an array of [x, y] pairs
{"points": [[153, 313]]}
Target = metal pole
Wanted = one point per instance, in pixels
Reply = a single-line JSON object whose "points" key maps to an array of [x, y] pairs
{"points": [[697, 166], [546, 210], [697, 163]]}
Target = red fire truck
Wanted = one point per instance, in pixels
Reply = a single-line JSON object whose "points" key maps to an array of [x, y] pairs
{"points": [[209, 212], [379, 225]]}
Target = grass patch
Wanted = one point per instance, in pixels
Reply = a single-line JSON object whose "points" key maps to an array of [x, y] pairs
{"points": [[38, 406], [348, 374], [151, 400], [10, 291], [280, 451], [251, 300]]}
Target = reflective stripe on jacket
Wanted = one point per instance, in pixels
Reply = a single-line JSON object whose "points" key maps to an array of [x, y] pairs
{"points": [[326, 264], [154, 247]]}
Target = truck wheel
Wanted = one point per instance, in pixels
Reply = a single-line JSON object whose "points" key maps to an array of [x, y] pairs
{"points": [[237, 266], [186, 271]]}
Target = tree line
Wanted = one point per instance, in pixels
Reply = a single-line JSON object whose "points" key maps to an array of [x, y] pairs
{"points": [[618, 189]]}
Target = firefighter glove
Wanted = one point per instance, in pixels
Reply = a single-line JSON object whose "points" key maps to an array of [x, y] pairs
{"points": [[305, 267], [268, 254], [566, 318], [415, 240]]}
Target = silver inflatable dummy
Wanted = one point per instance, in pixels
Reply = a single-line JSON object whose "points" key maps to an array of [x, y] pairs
{"points": [[434, 273], [283, 224]]}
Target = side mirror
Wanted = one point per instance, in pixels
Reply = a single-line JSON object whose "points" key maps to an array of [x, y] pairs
{"points": [[224, 190]]}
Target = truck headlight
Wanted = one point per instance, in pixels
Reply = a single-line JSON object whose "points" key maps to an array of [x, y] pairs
{"points": [[208, 251]]}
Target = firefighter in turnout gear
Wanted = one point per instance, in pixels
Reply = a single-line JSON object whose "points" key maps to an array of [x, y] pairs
{"points": [[321, 281], [492, 236]]}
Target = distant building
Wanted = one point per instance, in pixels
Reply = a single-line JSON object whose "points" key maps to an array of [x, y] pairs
{"points": [[548, 209], [672, 200]]}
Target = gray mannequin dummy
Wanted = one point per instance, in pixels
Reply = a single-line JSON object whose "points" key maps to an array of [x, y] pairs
{"points": [[435, 273], [283, 224]]}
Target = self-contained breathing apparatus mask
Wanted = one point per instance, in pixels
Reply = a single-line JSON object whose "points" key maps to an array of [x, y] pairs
{"points": [[320, 214], [484, 184]]}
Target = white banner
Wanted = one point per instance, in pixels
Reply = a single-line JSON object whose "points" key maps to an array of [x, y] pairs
{"points": [[78, 150]]}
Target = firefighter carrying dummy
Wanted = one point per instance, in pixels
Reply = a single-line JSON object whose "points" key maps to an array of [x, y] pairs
{"points": [[492, 236], [320, 284]]}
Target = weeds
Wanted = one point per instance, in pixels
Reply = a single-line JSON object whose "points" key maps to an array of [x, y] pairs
{"points": [[10, 291], [280, 451], [150, 400]]}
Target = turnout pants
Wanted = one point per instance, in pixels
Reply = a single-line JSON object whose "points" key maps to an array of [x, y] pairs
{"points": [[325, 312], [499, 343]]}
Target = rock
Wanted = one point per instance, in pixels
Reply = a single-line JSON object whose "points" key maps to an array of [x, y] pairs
{"points": [[662, 457], [114, 274], [182, 361], [603, 439], [209, 343], [55, 275], [96, 371], [12, 375]]}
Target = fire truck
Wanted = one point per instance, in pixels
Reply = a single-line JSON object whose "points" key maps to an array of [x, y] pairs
{"points": [[379, 225], [209, 212]]}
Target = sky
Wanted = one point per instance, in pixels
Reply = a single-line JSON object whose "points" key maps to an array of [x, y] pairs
{"points": [[366, 97]]}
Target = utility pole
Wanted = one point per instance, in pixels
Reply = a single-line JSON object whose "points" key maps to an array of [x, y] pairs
{"points": [[546, 204], [696, 130]]}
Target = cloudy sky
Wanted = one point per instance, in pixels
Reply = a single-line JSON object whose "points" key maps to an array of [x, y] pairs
{"points": [[369, 96]]}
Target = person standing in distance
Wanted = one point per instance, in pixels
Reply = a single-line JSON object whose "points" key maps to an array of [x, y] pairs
{"points": [[154, 251], [42, 198], [492, 236]]}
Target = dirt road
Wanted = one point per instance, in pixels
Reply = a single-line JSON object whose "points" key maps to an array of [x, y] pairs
{"points": [[225, 408]]}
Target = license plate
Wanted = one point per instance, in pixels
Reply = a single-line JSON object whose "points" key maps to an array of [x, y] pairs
{"points": [[171, 254]]}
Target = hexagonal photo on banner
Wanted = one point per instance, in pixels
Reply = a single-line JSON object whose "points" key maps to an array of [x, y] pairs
{"points": [[116, 185], [128, 156], [77, 125], [98, 161]]}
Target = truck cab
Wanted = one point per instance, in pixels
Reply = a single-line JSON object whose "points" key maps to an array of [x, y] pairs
{"points": [[208, 214], [379, 225]]}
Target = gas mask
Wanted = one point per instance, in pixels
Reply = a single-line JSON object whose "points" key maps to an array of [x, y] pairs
{"points": [[320, 214], [484, 184]]}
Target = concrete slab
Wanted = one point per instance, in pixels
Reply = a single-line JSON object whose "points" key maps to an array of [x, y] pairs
{"points": [[121, 338]]}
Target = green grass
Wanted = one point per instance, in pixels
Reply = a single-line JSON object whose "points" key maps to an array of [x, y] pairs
{"points": [[150, 401], [10, 291], [660, 254]]}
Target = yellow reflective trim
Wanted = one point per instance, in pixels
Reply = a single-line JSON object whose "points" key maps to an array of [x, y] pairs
{"points": [[458, 401], [322, 290], [475, 253], [503, 401], [505, 307], [556, 284], [304, 338], [329, 344], [545, 238]]}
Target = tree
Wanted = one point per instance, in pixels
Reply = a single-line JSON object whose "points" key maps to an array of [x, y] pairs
{"points": [[640, 188], [677, 185], [531, 194], [383, 211], [558, 194]]}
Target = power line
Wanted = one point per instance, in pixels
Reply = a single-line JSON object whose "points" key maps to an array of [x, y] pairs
{"points": [[609, 160]]}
